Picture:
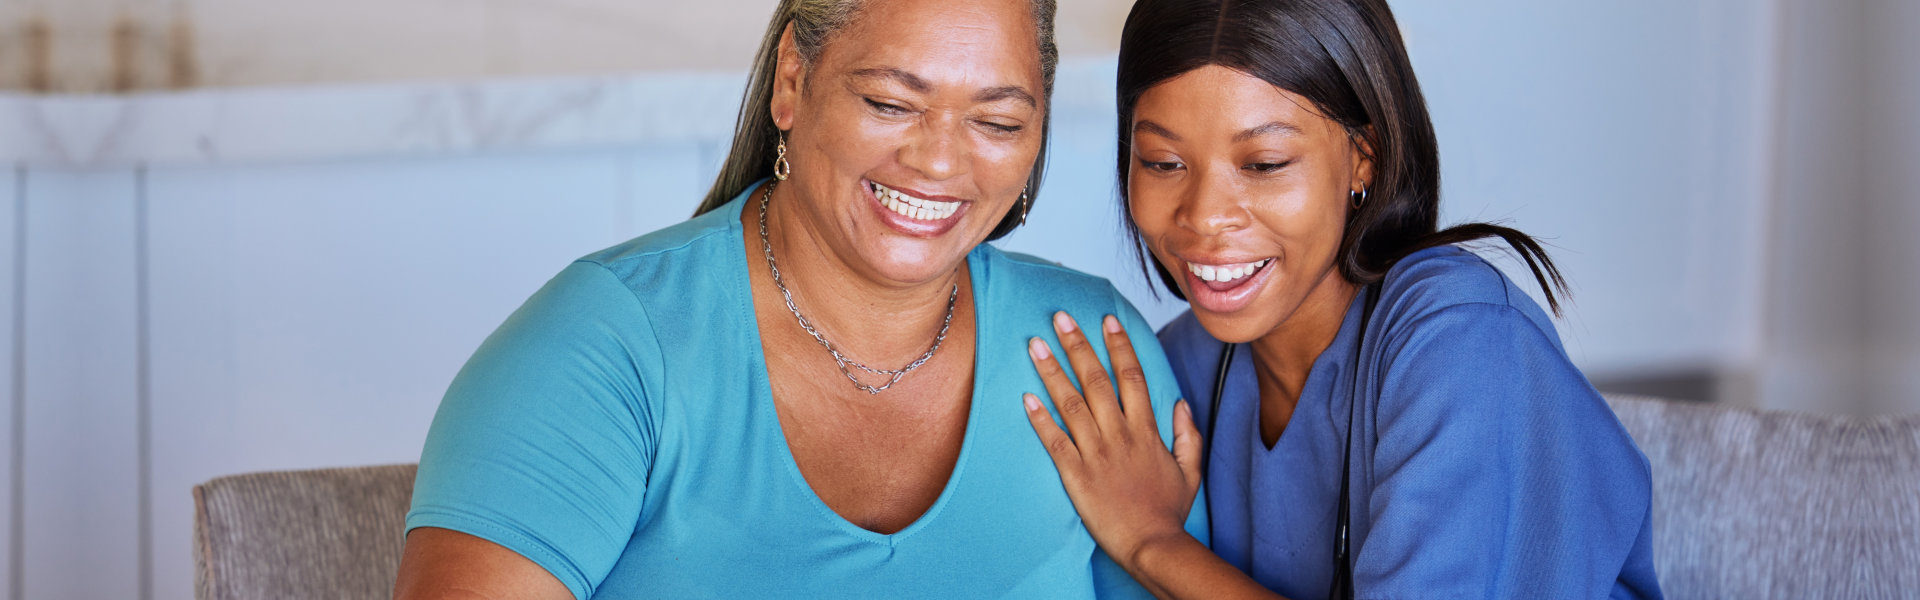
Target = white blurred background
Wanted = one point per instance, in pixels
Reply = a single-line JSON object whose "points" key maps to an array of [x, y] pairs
{"points": [[242, 235]]}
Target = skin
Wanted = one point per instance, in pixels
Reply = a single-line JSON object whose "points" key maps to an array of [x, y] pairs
{"points": [[942, 99], [1227, 169]]}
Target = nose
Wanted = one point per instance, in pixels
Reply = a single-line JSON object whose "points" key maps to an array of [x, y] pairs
{"points": [[937, 148], [1210, 204]]}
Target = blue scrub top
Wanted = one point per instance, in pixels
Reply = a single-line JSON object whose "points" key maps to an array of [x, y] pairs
{"points": [[619, 431], [1484, 465]]}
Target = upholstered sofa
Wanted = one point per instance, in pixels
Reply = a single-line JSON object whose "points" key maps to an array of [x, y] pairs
{"points": [[1746, 505]]}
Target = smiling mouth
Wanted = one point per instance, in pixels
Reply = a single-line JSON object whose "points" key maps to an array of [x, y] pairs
{"points": [[918, 209], [1226, 275]]}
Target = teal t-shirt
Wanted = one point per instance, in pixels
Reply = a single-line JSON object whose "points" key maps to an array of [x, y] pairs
{"points": [[619, 431]]}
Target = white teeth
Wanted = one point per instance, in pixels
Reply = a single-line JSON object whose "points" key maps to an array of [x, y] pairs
{"points": [[919, 209], [1226, 272]]}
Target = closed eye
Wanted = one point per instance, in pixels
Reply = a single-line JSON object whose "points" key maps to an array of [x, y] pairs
{"points": [[1267, 167], [885, 108], [1001, 128]]}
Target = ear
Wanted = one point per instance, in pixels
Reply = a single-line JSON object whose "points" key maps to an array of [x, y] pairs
{"points": [[1362, 159], [787, 73]]}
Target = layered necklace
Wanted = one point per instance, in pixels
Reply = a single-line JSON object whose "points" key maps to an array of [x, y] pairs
{"points": [[847, 365]]}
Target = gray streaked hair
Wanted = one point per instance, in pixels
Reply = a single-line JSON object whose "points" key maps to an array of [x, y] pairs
{"points": [[814, 23]]}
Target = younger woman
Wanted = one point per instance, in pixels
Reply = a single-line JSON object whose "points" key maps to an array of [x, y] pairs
{"points": [[1389, 416]]}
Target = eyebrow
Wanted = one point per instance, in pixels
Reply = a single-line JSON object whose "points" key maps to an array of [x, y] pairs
{"points": [[1006, 92], [917, 84], [1144, 126], [1270, 128], [907, 79]]}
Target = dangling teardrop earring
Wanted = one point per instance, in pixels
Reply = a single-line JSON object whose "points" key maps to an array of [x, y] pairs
{"points": [[780, 167]]}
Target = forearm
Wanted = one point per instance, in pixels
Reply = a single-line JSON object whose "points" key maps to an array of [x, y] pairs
{"points": [[1181, 568]]}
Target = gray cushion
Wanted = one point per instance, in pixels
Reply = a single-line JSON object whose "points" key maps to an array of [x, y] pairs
{"points": [[330, 533], [1746, 504], [1750, 504]]}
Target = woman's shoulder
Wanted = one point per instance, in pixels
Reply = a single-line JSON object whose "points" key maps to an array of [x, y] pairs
{"points": [[661, 269], [1020, 292], [1027, 279], [1452, 281], [636, 287], [1466, 356], [696, 240]]}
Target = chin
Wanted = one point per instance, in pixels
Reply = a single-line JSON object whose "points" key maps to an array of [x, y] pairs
{"points": [[917, 260], [1238, 327]]}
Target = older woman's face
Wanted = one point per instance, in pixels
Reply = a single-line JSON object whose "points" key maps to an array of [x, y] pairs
{"points": [[1240, 189], [914, 132]]}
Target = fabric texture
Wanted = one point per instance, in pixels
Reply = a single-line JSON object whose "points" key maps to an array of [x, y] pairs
{"points": [[333, 534], [1484, 465], [1746, 504], [1750, 504], [619, 430]]}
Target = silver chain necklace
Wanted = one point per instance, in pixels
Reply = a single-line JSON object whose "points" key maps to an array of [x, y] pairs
{"points": [[893, 375]]}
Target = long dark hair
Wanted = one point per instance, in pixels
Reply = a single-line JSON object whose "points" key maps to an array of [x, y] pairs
{"points": [[815, 22], [1346, 57]]}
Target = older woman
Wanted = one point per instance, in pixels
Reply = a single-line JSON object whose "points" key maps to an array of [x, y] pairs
{"points": [[791, 394], [1402, 422]]}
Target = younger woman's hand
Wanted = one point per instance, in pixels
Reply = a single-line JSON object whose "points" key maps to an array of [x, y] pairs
{"points": [[1130, 491]]}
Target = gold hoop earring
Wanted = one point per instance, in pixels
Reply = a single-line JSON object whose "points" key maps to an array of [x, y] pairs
{"points": [[1026, 206], [781, 169]]}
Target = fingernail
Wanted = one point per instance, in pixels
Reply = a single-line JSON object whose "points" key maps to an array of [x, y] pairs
{"points": [[1113, 324], [1033, 402], [1038, 349], [1062, 322], [1181, 406]]}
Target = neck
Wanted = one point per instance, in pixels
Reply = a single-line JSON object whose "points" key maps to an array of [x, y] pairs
{"points": [[884, 324], [1284, 357]]}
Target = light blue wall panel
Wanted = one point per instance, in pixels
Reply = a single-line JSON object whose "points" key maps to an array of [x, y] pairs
{"points": [[664, 184], [1631, 137], [10, 239], [81, 495]]}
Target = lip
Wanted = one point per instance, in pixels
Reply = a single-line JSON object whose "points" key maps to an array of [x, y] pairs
{"points": [[1211, 298], [910, 226]]}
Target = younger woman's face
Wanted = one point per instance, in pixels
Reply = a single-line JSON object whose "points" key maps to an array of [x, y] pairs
{"points": [[1241, 190], [913, 133]]}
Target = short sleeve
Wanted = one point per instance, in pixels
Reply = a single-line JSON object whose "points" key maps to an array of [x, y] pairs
{"points": [[1498, 471], [543, 441], [1110, 580]]}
